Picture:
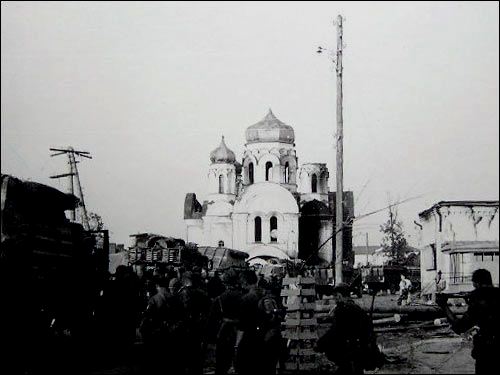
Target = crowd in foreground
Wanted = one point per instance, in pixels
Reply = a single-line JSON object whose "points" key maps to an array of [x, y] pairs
{"points": [[166, 322]]}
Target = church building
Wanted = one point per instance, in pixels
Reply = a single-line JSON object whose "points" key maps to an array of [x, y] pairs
{"points": [[267, 206]]}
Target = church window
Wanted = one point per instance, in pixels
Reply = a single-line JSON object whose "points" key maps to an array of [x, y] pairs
{"points": [[250, 173], [287, 173], [314, 184], [274, 229], [269, 171], [258, 229], [221, 184]]}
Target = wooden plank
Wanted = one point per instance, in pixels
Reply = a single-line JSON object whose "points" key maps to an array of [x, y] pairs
{"points": [[298, 281], [300, 322], [297, 292], [301, 306], [302, 352], [291, 366], [308, 366]]}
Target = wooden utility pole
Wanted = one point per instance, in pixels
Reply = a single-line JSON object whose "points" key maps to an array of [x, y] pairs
{"points": [[340, 168], [73, 172]]}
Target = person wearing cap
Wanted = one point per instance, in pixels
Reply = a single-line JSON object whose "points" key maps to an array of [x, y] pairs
{"points": [[223, 320], [161, 329], [350, 340], [196, 305]]}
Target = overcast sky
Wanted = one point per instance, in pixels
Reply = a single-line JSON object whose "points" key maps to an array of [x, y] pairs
{"points": [[149, 88]]}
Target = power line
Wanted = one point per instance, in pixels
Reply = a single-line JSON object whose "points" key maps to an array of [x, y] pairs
{"points": [[72, 176]]}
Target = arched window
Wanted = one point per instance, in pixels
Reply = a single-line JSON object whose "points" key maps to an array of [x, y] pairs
{"points": [[269, 171], [258, 229], [250, 173], [314, 184], [274, 229], [221, 184], [287, 173]]}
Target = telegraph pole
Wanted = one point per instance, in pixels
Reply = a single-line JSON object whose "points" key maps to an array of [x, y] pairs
{"points": [[339, 212], [73, 172]]}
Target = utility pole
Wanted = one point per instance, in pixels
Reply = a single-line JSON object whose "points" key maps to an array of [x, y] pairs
{"points": [[340, 168], [367, 249], [73, 172]]}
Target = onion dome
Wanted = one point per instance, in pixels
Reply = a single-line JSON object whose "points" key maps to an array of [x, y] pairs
{"points": [[270, 129], [222, 154]]}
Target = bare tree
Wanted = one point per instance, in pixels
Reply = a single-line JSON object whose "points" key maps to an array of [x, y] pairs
{"points": [[394, 241]]}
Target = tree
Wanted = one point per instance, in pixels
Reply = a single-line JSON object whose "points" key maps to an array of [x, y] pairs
{"points": [[394, 241], [95, 221]]}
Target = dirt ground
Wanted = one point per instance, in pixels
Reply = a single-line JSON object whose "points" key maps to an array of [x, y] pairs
{"points": [[422, 348]]}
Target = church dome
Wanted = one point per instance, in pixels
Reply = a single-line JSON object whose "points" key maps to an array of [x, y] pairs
{"points": [[270, 129], [222, 154]]}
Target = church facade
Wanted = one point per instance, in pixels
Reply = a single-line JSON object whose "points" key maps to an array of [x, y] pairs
{"points": [[267, 205]]}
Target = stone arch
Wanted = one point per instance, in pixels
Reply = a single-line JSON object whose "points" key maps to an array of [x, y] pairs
{"points": [[249, 159], [221, 183], [257, 229], [261, 170], [314, 183], [269, 171], [273, 228], [292, 169]]}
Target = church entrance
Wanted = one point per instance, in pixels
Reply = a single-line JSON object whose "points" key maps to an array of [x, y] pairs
{"points": [[310, 223]]}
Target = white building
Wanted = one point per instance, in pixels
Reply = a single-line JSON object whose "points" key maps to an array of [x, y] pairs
{"points": [[456, 238], [369, 255], [255, 206]]}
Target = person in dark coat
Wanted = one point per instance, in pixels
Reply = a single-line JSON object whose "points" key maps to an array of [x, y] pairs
{"points": [[162, 330], [259, 338], [196, 306], [224, 316], [350, 336], [483, 312], [215, 286]]}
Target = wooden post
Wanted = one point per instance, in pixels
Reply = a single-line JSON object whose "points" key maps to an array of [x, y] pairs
{"points": [[339, 196]]}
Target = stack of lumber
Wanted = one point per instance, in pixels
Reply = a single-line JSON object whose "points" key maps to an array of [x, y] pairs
{"points": [[300, 325]]}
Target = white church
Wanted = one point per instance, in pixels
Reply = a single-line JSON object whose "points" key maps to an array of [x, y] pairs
{"points": [[256, 206]]}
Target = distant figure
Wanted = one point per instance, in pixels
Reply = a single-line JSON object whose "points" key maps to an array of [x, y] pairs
{"points": [[483, 313], [350, 341], [404, 290], [440, 282]]}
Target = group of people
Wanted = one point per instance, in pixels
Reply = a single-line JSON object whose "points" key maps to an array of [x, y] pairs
{"points": [[183, 313], [179, 313]]}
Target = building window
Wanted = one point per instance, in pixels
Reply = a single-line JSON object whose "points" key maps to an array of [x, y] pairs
{"points": [[258, 229], [274, 229], [485, 257], [221, 184], [269, 171], [431, 260], [314, 184], [287, 173], [250, 173], [457, 267]]}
